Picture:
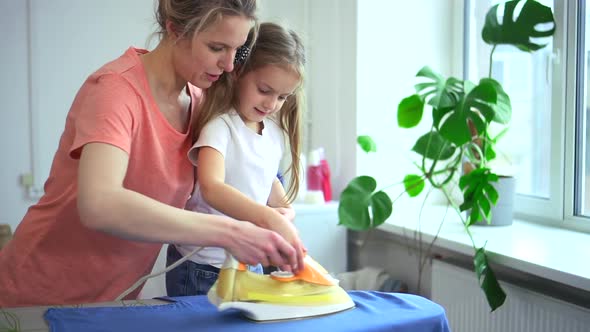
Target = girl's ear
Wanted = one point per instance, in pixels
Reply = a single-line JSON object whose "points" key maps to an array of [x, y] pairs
{"points": [[171, 30]]}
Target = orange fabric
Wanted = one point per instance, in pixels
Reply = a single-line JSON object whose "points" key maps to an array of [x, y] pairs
{"points": [[53, 258], [312, 272]]}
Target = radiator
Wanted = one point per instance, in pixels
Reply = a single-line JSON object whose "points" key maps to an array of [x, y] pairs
{"points": [[456, 289]]}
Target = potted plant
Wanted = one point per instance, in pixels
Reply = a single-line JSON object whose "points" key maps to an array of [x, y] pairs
{"points": [[459, 138]]}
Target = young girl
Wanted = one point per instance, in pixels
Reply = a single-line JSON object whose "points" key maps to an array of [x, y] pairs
{"points": [[244, 128]]}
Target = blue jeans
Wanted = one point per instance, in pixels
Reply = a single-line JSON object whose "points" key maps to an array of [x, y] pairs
{"points": [[190, 278]]}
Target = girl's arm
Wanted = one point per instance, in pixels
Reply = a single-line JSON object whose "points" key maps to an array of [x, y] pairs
{"points": [[230, 201], [277, 200], [105, 205]]}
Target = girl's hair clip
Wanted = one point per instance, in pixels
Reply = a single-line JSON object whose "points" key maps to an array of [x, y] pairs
{"points": [[241, 54]]}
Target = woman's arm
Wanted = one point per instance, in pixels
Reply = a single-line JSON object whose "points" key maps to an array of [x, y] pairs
{"points": [[105, 205], [230, 201]]}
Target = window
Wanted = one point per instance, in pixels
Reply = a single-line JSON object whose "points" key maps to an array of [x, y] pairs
{"points": [[548, 143]]}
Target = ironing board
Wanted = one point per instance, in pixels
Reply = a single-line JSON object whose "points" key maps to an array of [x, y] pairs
{"points": [[375, 311]]}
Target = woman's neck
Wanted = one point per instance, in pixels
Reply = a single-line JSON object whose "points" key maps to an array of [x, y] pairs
{"points": [[170, 92], [161, 74]]}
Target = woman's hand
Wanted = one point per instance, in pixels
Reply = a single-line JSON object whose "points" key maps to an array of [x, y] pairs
{"points": [[251, 245]]}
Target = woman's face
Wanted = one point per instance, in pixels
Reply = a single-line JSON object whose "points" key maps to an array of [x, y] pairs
{"points": [[201, 59]]}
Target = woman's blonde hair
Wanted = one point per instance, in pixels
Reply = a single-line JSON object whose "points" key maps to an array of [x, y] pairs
{"points": [[275, 46], [192, 16]]}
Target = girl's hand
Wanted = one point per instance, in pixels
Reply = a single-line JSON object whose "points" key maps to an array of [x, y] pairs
{"points": [[287, 212], [285, 227]]}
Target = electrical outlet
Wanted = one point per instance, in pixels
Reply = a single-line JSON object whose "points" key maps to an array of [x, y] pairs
{"points": [[5, 234], [26, 180]]}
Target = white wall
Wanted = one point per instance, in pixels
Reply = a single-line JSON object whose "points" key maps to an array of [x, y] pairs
{"points": [[333, 82], [50, 47], [329, 29], [15, 141], [68, 41], [396, 39]]}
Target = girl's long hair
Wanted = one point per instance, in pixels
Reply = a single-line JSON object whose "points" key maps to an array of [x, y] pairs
{"points": [[272, 45]]}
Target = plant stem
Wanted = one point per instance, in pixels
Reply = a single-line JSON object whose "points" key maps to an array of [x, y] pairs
{"points": [[391, 185], [362, 242], [484, 143], [418, 239], [479, 157], [429, 249], [491, 61], [465, 225], [451, 168], [445, 170]]}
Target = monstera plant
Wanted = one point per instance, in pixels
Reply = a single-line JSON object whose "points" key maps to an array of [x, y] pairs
{"points": [[462, 113]]}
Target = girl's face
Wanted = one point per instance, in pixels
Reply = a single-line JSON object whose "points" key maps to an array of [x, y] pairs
{"points": [[202, 59], [262, 92]]}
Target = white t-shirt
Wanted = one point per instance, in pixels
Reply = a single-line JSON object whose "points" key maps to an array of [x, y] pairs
{"points": [[251, 165]]}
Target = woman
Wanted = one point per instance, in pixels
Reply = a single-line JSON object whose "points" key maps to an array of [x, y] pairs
{"points": [[121, 176]]}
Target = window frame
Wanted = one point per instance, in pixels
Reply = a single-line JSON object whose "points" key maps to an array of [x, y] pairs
{"points": [[576, 11]]}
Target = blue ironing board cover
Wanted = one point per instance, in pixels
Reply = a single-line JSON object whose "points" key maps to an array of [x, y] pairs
{"points": [[375, 311]]}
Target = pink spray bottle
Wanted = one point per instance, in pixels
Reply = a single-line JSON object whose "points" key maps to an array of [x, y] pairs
{"points": [[326, 182]]}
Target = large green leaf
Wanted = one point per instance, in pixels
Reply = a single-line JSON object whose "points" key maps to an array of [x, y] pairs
{"points": [[479, 106], [433, 146], [519, 30], [438, 91], [479, 194], [502, 108], [487, 280], [409, 111], [361, 208], [367, 143]]}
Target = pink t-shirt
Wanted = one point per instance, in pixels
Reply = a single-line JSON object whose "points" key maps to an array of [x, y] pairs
{"points": [[53, 258]]}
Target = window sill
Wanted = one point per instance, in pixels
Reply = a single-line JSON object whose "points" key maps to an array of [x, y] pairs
{"points": [[549, 252]]}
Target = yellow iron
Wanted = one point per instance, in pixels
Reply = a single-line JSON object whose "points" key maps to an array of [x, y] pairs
{"points": [[280, 295]]}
